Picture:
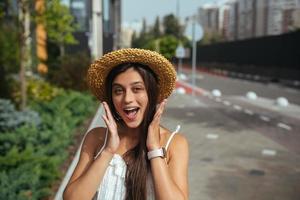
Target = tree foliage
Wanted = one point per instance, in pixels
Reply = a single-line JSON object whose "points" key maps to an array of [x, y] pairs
{"points": [[59, 23], [164, 43], [156, 32], [172, 26]]}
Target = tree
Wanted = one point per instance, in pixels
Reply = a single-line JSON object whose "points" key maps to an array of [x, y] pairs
{"points": [[25, 42], [172, 26], [156, 28], [143, 39], [59, 24], [167, 46]]}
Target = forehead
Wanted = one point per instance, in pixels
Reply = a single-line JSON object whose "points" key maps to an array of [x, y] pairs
{"points": [[128, 76]]}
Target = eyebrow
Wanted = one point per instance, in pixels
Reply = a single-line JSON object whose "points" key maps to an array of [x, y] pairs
{"points": [[133, 83]]}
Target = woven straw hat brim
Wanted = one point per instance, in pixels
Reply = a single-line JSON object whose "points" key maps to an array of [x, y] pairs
{"points": [[164, 70]]}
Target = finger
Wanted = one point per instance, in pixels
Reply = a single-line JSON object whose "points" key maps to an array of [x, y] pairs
{"points": [[107, 111], [105, 120], [160, 108]]}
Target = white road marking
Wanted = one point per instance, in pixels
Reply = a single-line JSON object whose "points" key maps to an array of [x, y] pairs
{"points": [[237, 107], [249, 112], [212, 136], [226, 103], [268, 152], [284, 126], [264, 118]]}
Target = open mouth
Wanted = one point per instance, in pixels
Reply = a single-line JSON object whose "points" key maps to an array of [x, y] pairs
{"points": [[131, 112]]}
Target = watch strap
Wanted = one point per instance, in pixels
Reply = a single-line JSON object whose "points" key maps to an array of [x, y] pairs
{"points": [[161, 152]]}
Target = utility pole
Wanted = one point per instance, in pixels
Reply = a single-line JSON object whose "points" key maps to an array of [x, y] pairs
{"points": [[25, 60]]}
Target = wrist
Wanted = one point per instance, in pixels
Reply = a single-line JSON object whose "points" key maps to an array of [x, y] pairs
{"points": [[158, 152], [153, 147], [108, 152]]}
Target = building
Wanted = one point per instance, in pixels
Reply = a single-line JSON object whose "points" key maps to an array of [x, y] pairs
{"points": [[261, 18], [243, 19], [126, 37], [99, 25], [209, 18], [232, 20], [224, 21]]}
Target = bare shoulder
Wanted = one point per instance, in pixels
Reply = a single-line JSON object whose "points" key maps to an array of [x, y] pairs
{"points": [[178, 138], [179, 141], [178, 144]]}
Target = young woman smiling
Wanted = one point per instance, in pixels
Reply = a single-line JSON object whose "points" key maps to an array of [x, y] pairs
{"points": [[133, 157]]}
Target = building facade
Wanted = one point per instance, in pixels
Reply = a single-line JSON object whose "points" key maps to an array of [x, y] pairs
{"points": [[243, 19]]}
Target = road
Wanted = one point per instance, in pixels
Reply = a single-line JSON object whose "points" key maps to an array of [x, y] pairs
{"points": [[240, 149]]}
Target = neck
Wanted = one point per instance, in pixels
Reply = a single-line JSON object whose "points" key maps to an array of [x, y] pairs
{"points": [[132, 134]]}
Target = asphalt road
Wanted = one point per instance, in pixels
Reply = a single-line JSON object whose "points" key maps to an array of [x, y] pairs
{"points": [[240, 149], [231, 155], [234, 86]]}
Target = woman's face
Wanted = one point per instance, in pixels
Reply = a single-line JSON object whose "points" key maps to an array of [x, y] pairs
{"points": [[130, 97]]}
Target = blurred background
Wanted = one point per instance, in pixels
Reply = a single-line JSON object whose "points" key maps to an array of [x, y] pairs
{"points": [[237, 94]]}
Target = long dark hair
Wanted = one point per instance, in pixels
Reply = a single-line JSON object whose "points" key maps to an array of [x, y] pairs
{"points": [[138, 165]]}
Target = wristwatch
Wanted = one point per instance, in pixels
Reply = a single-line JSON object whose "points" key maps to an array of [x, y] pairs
{"points": [[161, 152]]}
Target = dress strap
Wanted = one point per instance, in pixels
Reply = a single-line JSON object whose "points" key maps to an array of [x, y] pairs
{"points": [[171, 137], [100, 151]]}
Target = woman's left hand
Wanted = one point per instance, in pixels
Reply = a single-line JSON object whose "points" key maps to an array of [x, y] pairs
{"points": [[153, 138]]}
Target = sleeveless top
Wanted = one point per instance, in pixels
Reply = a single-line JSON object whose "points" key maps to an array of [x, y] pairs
{"points": [[113, 183]]}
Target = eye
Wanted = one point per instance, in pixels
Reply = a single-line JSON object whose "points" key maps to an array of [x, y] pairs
{"points": [[138, 89], [118, 91]]}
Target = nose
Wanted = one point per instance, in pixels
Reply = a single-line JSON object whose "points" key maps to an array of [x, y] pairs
{"points": [[128, 98]]}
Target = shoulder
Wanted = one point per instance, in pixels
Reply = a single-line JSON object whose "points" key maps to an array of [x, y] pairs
{"points": [[178, 144], [177, 139], [94, 139]]}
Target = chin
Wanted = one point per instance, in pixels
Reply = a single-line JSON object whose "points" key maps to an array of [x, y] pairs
{"points": [[134, 124]]}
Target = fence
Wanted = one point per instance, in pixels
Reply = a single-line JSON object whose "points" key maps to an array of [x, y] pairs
{"points": [[277, 57]]}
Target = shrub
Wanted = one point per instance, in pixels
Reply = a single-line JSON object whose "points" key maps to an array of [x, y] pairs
{"points": [[31, 155], [69, 70], [38, 90], [10, 118]]}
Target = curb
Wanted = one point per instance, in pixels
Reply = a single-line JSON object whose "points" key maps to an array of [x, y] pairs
{"points": [[189, 88]]}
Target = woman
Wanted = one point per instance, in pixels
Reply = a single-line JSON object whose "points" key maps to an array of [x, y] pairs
{"points": [[133, 157]]}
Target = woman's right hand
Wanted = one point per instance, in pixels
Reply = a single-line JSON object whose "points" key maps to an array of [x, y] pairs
{"points": [[113, 139]]}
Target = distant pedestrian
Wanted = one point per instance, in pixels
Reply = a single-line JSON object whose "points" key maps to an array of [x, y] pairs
{"points": [[133, 157]]}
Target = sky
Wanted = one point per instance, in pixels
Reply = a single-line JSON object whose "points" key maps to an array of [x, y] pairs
{"points": [[133, 11]]}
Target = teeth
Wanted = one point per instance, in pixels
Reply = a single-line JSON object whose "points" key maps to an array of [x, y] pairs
{"points": [[130, 109]]}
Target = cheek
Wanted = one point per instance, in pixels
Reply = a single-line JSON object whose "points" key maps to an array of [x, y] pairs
{"points": [[144, 99], [116, 102]]}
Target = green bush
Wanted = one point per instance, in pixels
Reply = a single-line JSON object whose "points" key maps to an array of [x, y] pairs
{"points": [[10, 118], [38, 90], [65, 72], [30, 156]]}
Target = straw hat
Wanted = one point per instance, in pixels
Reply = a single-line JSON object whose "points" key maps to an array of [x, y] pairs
{"points": [[164, 70]]}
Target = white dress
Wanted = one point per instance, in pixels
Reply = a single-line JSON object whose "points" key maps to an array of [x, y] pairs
{"points": [[113, 186]]}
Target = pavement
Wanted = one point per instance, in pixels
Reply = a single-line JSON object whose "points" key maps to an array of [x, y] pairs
{"points": [[228, 161]]}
